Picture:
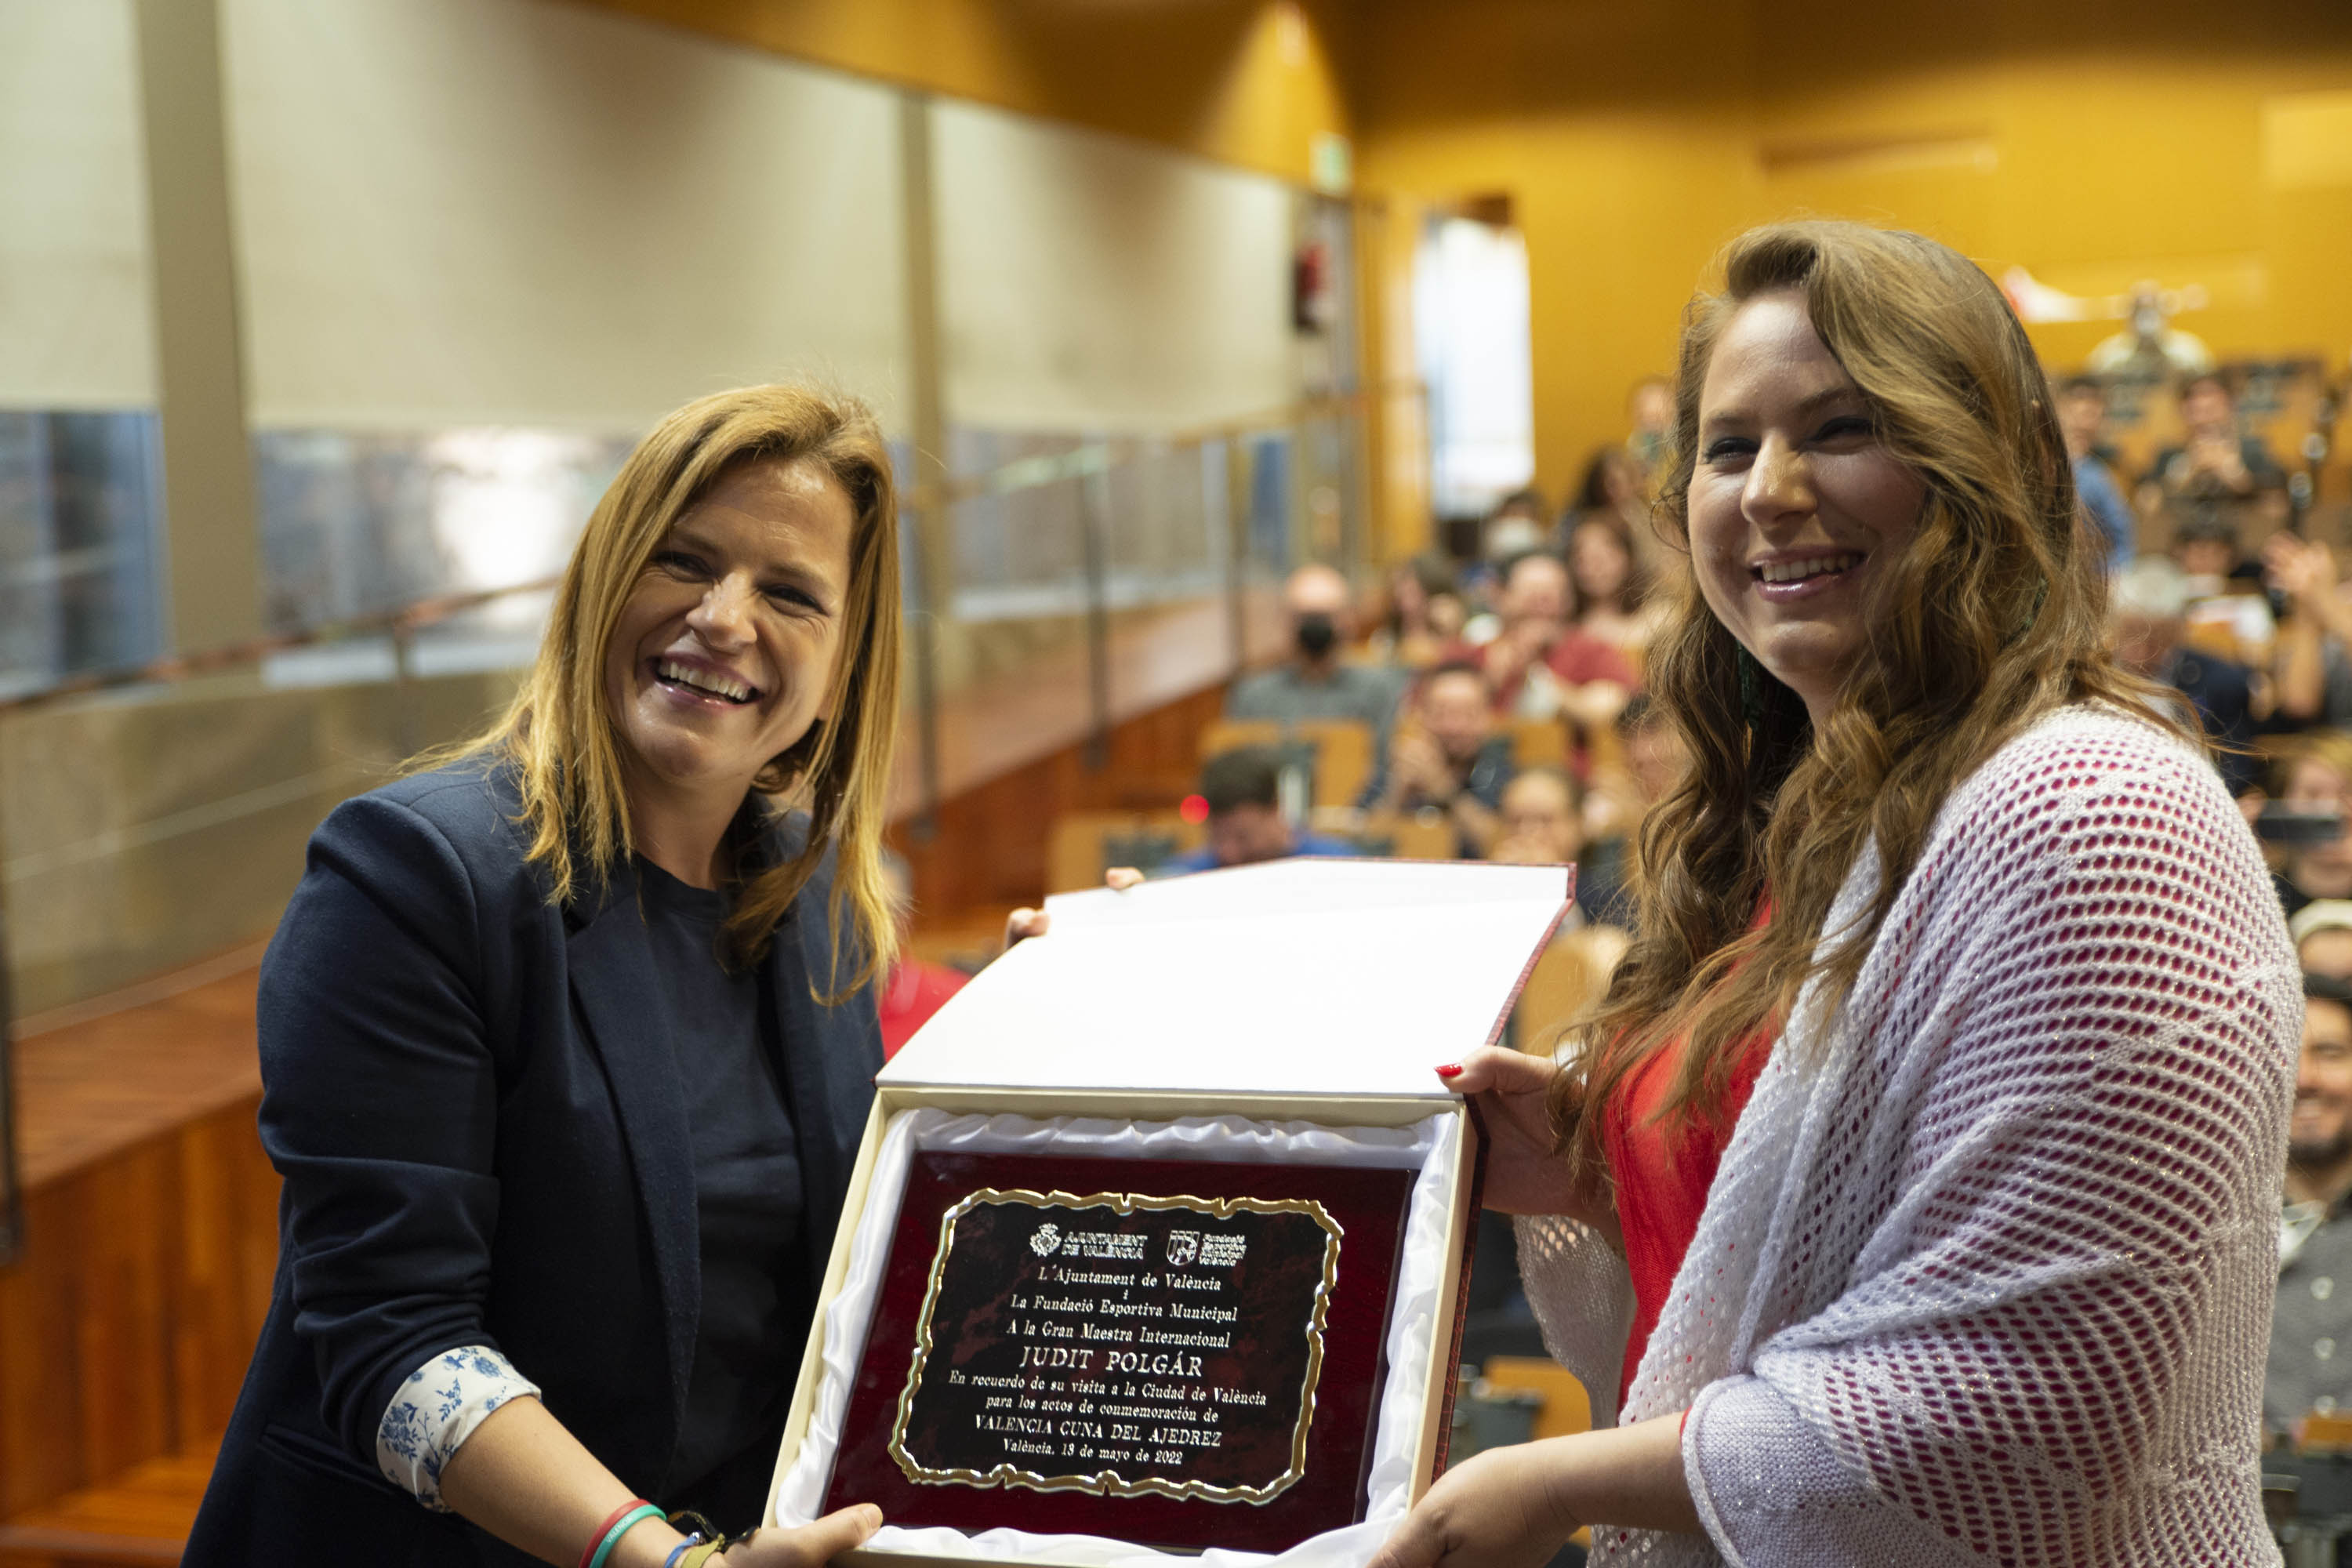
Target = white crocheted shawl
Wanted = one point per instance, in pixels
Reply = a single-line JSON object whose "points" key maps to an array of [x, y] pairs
{"points": [[1985, 1274]]}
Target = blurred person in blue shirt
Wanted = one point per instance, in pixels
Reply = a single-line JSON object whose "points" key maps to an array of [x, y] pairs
{"points": [[1242, 789], [2082, 418]]}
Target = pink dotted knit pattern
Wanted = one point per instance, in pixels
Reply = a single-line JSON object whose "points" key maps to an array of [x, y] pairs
{"points": [[1986, 1274]]}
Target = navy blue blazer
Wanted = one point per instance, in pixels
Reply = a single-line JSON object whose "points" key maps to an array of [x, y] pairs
{"points": [[473, 1103]]}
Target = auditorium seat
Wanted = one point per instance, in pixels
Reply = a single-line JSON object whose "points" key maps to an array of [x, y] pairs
{"points": [[1339, 751]]}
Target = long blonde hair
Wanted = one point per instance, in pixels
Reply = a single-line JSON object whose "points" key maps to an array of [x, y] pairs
{"points": [[1991, 618], [559, 732]]}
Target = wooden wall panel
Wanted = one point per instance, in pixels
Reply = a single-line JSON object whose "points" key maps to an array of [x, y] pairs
{"points": [[126, 1326], [989, 851]]}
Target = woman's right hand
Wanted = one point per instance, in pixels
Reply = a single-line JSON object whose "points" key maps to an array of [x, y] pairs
{"points": [[807, 1545], [1513, 1094]]}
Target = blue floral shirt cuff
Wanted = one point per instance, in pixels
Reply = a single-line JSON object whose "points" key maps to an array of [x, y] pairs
{"points": [[438, 1408]]}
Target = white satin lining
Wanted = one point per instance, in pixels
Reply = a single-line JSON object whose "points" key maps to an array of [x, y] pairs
{"points": [[1428, 1145]]}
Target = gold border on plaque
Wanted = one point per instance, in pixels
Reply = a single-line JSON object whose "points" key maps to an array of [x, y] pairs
{"points": [[1110, 1483]]}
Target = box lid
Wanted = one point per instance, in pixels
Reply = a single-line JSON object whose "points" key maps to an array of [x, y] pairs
{"points": [[1298, 977]]}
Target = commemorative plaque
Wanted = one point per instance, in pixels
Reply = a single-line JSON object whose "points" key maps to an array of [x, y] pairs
{"points": [[1176, 1353]]}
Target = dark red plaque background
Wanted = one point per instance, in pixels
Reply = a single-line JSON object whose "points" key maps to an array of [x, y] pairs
{"points": [[1369, 1204]]}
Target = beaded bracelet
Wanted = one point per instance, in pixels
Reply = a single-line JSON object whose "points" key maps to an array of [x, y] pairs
{"points": [[633, 1512]]}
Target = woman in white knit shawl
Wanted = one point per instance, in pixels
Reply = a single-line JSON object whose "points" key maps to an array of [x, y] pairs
{"points": [[1981, 1269]]}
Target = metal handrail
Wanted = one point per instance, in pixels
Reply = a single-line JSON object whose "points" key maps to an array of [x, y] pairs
{"points": [[1089, 463], [1022, 473]]}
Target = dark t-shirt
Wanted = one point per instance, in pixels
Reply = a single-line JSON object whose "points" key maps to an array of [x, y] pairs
{"points": [[747, 1179]]}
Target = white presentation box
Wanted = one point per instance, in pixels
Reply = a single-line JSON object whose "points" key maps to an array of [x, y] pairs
{"points": [[1238, 1346]]}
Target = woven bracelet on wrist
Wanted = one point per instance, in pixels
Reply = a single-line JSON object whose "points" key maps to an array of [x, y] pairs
{"points": [[681, 1549]]}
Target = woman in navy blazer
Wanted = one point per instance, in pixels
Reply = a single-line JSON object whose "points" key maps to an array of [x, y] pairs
{"points": [[567, 1045]]}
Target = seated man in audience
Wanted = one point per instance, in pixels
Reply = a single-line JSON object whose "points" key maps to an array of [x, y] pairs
{"points": [[2149, 608], [1447, 758], [2306, 1374], [1540, 664], [2322, 931], [2216, 461], [1312, 683], [1242, 789]]}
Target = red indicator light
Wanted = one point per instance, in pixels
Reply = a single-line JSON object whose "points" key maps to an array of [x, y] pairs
{"points": [[1194, 809]]}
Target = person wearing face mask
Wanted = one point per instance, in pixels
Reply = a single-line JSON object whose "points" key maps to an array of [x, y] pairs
{"points": [[567, 1044], [1930, 1131], [1314, 682]]}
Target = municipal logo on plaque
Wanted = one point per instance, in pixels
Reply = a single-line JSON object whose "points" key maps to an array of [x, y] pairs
{"points": [[1184, 1246], [1045, 1239]]}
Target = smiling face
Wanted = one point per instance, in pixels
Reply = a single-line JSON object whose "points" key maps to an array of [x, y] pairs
{"points": [[1458, 713], [725, 650], [2321, 1132], [1796, 511]]}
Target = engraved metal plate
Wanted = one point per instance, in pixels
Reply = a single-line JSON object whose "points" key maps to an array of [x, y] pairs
{"points": [[1120, 1344]]}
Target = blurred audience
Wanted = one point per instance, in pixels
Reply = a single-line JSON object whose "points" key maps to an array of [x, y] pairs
{"points": [[2149, 608], [2322, 931], [1648, 763], [2314, 672], [1518, 525], [1651, 406], [1616, 483], [2083, 418], [1541, 666], [2313, 774], [2215, 461], [1242, 789], [2305, 1374], [1409, 637], [1542, 825], [1539, 819], [1314, 681], [1542, 819], [1446, 756], [1609, 587]]}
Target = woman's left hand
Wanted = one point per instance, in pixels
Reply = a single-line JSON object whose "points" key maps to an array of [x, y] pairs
{"points": [[1501, 1509], [809, 1546]]}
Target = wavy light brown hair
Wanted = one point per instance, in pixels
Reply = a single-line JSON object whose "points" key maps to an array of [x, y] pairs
{"points": [[560, 735], [1993, 616]]}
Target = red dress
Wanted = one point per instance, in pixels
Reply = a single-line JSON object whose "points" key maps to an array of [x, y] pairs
{"points": [[1662, 1174], [1662, 1177]]}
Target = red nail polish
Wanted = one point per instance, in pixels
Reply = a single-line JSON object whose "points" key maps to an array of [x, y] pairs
{"points": [[1451, 1069]]}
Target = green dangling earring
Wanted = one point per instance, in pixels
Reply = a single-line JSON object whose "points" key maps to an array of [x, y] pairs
{"points": [[1752, 690]]}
